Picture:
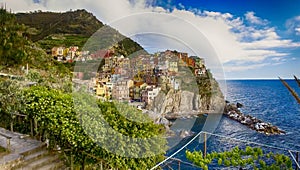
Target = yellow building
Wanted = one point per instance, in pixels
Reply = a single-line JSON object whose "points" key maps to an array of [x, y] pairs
{"points": [[66, 52], [105, 79], [101, 89], [130, 83], [173, 66]]}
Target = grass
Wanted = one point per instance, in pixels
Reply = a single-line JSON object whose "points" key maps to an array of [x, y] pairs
{"points": [[3, 151], [66, 41]]}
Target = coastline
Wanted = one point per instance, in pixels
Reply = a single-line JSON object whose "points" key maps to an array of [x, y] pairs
{"points": [[233, 112]]}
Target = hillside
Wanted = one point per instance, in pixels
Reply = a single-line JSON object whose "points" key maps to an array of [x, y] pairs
{"points": [[70, 28], [79, 22]]}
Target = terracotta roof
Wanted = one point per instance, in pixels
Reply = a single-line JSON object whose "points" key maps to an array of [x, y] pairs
{"points": [[138, 83]]}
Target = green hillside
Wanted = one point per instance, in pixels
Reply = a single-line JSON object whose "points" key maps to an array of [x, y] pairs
{"points": [[79, 22], [16, 51], [72, 28]]}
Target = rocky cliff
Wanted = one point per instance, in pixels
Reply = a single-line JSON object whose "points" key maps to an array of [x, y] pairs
{"points": [[184, 103]]}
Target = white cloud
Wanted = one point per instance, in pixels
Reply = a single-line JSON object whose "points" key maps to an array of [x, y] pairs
{"points": [[244, 67], [278, 59], [250, 16], [297, 30], [293, 25], [234, 39], [181, 6], [216, 14]]}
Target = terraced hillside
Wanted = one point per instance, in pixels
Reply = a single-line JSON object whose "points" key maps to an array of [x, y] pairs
{"points": [[68, 29]]}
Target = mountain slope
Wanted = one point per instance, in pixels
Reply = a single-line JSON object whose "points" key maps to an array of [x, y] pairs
{"points": [[51, 29], [79, 22]]}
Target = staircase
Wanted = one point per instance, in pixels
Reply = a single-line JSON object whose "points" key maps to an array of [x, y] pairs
{"points": [[40, 159]]}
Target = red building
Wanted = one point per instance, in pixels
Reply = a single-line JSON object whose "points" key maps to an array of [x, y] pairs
{"points": [[191, 62]]}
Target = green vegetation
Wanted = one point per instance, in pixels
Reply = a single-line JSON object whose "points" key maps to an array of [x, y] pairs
{"points": [[127, 47], [3, 151], [12, 49], [109, 38], [254, 157], [78, 22], [48, 109], [80, 130], [208, 86], [10, 102], [73, 28], [63, 40], [16, 51]]}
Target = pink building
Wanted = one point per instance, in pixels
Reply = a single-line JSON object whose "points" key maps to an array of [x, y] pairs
{"points": [[120, 91]]}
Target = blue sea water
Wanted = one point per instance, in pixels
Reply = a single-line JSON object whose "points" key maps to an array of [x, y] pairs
{"points": [[267, 100], [270, 101]]}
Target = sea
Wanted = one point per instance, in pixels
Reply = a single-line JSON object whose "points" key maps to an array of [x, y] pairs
{"points": [[268, 100]]}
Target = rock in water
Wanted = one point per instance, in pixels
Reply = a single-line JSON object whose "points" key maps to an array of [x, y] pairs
{"points": [[232, 112], [239, 105], [185, 133]]}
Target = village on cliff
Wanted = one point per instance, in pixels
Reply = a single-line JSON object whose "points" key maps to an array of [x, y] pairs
{"points": [[134, 80]]}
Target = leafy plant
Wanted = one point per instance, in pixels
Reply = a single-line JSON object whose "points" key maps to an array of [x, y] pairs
{"points": [[11, 100], [237, 157], [79, 130], [12, 41]]}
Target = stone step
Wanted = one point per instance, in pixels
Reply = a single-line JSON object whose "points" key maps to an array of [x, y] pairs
{"points": [[57, 165], [9, 161], [36, 164], [35, 155], [32, 157], [31, 151]]}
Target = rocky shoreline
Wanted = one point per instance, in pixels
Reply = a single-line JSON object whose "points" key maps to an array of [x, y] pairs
{"points": [[233, 112], [184, 104]]}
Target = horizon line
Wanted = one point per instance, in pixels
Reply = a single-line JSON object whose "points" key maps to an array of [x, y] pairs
{"points": [[256, 78]]}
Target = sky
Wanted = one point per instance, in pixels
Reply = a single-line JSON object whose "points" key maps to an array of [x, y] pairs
{"points": [[239, 39]]}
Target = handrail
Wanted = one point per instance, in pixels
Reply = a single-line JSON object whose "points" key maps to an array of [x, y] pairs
{"points": [[5, 135], [249, 142], [222, 136], [295, 160], [7, 139], [176, 152]]}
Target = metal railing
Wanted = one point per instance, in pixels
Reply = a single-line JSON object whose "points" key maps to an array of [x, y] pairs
{"points": [[202, 138]]}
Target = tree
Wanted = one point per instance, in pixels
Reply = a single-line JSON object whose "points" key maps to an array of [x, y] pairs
{"points": [[11, 99], [78, 130], [12, 42]]}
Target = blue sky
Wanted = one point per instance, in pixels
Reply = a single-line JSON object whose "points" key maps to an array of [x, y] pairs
{"points": [[276, 13], [251, 38]]}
